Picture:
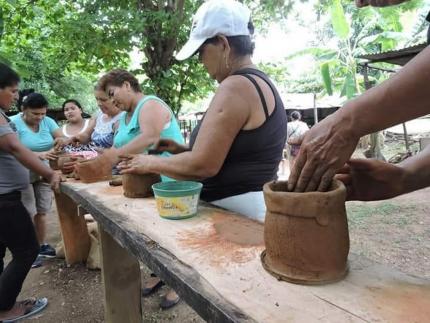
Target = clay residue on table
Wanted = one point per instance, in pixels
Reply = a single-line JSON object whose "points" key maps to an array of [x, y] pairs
{"points": [[111, 190], [228, 238], [402, 302]]}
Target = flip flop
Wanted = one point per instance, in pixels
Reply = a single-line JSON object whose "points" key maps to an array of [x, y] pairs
{"points": [[167, 303], [37, 263], [38, 305], [146, 291]]}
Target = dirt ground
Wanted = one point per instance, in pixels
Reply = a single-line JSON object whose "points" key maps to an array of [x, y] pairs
{"points": [[395, 232]]}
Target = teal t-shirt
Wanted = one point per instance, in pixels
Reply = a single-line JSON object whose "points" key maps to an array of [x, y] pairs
{"points": [[128, 131], [42, 140]]}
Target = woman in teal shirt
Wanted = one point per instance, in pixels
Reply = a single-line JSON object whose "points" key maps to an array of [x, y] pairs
{"points": [[147, 120], [37, 132], [147, 117]]}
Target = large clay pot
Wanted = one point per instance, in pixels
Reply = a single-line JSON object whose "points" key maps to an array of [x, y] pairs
{"points": [[306, 234], [53, 163], [135, 185], [94, 170]]}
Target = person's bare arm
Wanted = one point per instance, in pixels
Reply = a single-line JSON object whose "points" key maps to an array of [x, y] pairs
{"points": [[226, 116], [152, 119], [10, 143], [372, 180], [85, 136], [330, 143]]}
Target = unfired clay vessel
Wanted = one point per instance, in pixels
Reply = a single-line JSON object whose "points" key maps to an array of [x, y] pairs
{"points": [[135, 185], [306, 234], [63, 159], [94, 170]]}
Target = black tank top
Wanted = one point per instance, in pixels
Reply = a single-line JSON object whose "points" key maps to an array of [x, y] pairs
{"points": [[254, 155]]}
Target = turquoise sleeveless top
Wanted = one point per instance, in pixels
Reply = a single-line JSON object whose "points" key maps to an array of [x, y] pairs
{"points": [[128, 131]]}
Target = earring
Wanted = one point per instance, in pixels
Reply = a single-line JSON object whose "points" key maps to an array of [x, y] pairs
{"points": [[226, 62]]}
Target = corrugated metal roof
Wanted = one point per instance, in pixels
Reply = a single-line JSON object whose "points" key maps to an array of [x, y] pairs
{"points": [[397, 57]]}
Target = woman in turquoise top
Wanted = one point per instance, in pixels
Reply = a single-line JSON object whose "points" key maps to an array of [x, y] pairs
{"points": [[147, 117], [146, 121], [37, 132]]}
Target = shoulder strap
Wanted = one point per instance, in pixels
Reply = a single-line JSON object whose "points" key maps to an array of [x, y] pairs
{"points": [[260, 93]]}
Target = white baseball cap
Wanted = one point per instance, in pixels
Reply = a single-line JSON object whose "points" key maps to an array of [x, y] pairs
{"points": [[216, 17]]}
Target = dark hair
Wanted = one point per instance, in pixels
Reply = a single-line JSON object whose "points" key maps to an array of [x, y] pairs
{"points": [[295, 115], [117, 78], [241, 45], [73, 101], [8, 76], [21, 95], [34, 101]]}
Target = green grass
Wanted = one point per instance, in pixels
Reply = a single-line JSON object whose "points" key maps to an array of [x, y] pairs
{"points": [[386, 212]]}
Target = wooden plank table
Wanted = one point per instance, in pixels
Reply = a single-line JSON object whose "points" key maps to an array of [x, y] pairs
{"points": [[213, 262]]}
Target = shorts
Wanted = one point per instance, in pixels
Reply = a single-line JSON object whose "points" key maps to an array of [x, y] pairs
{"points": [[37, 198]]}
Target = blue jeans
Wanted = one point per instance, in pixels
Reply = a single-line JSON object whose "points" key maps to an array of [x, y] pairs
{"points": [[18, 235]]}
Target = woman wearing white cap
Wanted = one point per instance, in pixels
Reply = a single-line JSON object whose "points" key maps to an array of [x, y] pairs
{"points": [[238, 145]]}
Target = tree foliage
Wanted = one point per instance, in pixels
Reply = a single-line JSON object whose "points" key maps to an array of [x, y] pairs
{"points": [[52, 43], [348, 32]]}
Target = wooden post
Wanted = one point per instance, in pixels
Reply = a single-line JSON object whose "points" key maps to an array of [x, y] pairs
{"points": [[375, 150], [315, 109], [121, 280], [405, 134], [74, 230]]}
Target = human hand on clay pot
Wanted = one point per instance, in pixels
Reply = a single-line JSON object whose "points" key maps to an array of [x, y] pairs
{"points": [[134, 164], [48, 155], [110, 155], [68, 166], [61, 142], [372, 180]]}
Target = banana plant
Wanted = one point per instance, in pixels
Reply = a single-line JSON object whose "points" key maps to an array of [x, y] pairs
{"points": [[354, 32]]}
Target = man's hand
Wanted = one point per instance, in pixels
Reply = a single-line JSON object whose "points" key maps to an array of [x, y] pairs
{"points": [[372, 180], [325, 149], [377, 3]]}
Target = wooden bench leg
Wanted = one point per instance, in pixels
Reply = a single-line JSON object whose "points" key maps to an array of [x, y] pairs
{"points": [[74, 230], [121, 280]]}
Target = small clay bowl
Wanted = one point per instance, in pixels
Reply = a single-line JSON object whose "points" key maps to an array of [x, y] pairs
{"points": [[135, 185]]}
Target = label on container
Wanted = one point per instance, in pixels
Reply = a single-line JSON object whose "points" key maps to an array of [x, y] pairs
{"points": [[177, 206]]}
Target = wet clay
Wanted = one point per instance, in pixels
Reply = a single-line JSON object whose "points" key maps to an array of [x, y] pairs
{"points": [[136, 185], [306, 234], [226, 240], [94, 170], [54, 163]]}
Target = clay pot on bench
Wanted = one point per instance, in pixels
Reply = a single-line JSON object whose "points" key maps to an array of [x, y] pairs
{"points": [[136, 185], [62, 159], [94, 170], [306, 234]]}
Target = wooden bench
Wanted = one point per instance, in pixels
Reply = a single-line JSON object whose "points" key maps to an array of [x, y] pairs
{"points": [[213, 263]]}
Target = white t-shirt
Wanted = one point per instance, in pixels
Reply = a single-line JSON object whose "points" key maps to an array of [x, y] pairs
{"points": [[296, 128]]}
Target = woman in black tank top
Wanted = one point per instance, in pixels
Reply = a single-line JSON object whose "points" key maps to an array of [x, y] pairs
{"points": [[237, 146]]}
